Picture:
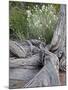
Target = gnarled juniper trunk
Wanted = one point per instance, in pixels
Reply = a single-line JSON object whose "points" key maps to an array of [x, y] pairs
{"points": [[48, 75], [40, 68], [58, 43]]}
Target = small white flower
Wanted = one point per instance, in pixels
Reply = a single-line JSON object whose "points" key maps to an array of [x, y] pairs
{"points": [[29, 13], [40, 10], [54, 15], [39, 38], [50, 21], [51, 12], [36, 5], [46, 25], [40, 25], [43, 7]]}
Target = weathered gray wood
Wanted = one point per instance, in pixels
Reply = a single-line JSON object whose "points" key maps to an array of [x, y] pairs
{"points": [[28, 68], [24, 68], [22, 74], [58, 43], [62, 64], [18, 49], [57, 37], [47, 76], [54, 59], [35, 42], [30, 61]]}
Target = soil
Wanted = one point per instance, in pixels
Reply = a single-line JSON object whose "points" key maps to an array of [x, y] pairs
{"points": [[62, 78]]}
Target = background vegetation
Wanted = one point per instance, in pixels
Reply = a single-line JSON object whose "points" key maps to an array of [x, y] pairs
{"points": [[32, 20]]}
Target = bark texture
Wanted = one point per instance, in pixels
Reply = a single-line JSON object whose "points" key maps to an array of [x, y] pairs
{"points": [[39, 69], [58, 43]]}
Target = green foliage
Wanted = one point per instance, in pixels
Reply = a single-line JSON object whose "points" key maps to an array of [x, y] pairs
{"points": [[18, 23], [28, 20], [57, 7], [42, 22]]}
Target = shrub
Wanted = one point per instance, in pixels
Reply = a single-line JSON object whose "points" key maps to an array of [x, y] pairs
{"points": [[32, 21], [18, 23], [42, 22]]}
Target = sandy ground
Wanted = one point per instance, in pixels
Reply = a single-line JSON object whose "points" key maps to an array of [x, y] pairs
{"points": [[62, 78]]}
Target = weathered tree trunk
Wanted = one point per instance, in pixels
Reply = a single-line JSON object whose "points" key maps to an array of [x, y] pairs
{"points": [[58, 43], [25, 62], [48, 75], [40, 69], [27, 69], [23, 50], [18, 49]]}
